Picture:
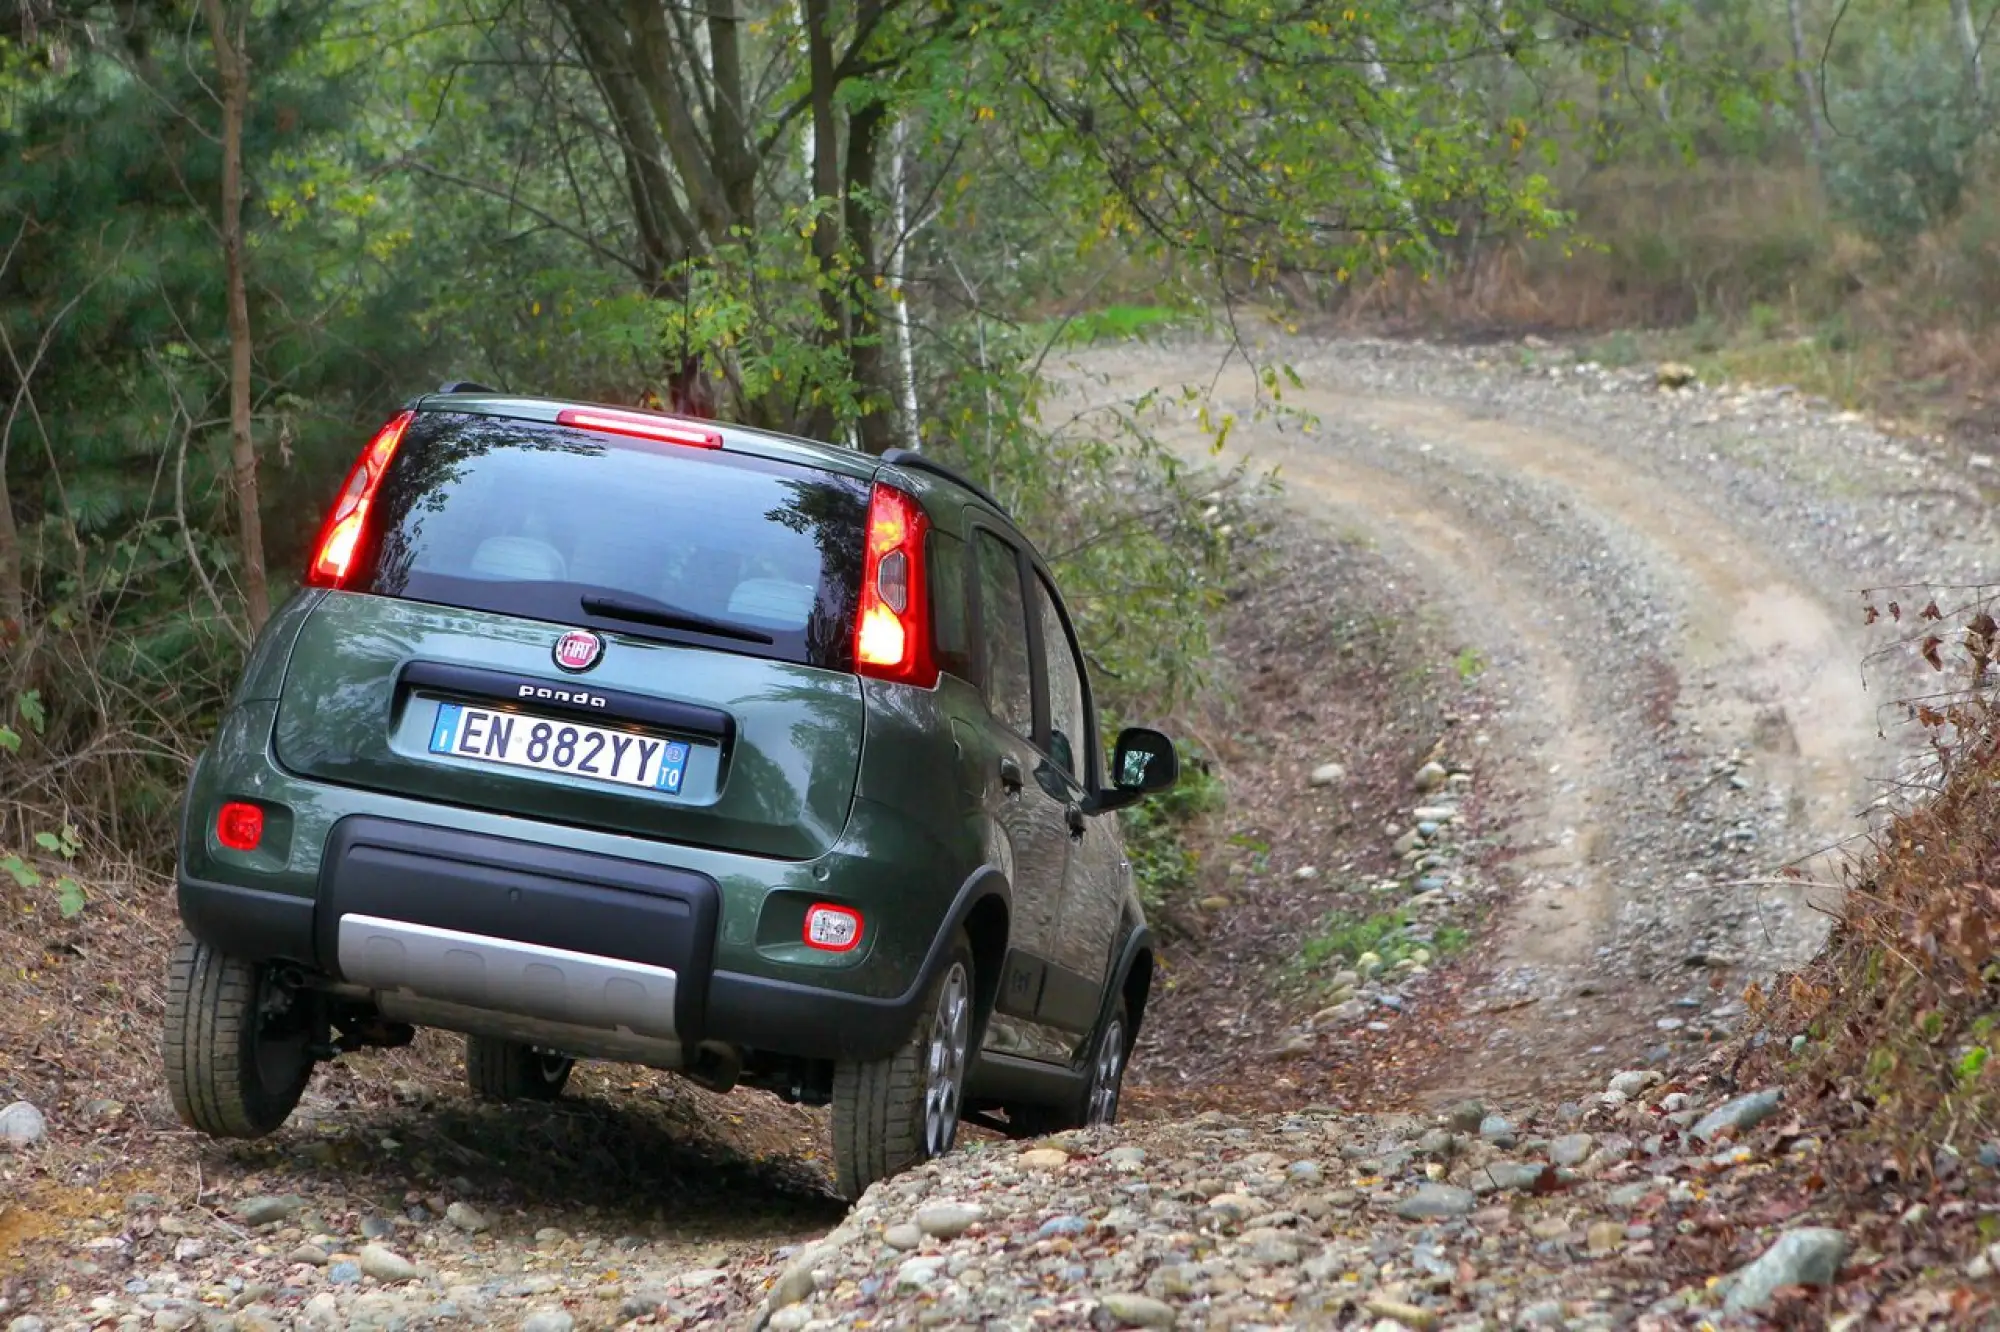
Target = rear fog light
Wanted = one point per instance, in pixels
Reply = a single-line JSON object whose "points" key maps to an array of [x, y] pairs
{"points": [[833, 929], [239, 825]]}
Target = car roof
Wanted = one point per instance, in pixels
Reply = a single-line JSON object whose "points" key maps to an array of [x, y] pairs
{"points": [[920, 473], [735, 438]]}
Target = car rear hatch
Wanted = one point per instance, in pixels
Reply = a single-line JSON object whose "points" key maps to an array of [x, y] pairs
{"points": [[647, 635]]}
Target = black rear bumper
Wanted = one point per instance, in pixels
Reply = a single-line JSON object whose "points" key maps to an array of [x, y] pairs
{"points": [[576, 902]]}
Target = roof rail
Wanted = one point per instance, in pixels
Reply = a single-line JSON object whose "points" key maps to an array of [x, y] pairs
{"points": [[918, 462], [465, 386]]}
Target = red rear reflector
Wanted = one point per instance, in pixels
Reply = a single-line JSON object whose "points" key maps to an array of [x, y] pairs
{"points": [[333, 556], [239, 825], [891, 627], [643, 425], [832, 929]]}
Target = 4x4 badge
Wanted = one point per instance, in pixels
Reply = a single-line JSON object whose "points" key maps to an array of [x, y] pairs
{"points": [[578, 650]]}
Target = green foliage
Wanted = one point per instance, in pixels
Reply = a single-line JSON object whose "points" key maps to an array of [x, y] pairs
{"points": [[1971, 1062], [1343, 938], [1112, 323], [1141, 542], [68, 895], [114, 448], [1908, 132], [1324, 140]]}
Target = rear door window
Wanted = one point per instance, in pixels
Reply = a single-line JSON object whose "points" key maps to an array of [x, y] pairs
{"points": [[1069, 735], [1003, 623], [655, 540], [951, 635]]}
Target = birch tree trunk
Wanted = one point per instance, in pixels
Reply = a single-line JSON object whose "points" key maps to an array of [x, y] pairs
{"points": [[1968, 38], [1392, 170], [233, 74], [899, 310]]}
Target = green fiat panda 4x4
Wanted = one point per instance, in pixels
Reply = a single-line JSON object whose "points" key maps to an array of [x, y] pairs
{"points": [[604, 734]]}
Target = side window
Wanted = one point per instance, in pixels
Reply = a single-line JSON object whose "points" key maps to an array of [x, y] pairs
{"points": [[1010, 689], [1069, 736], [951, 636]]}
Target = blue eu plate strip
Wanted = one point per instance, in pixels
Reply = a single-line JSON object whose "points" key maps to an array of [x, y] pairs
{"points": [[445, 731]]}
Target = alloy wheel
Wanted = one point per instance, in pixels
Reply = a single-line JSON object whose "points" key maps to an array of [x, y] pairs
{"points": [[951, 1033], [1106, 1075]]}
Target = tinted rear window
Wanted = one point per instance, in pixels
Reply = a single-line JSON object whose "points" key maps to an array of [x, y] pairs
{"points": [[496, 514]]}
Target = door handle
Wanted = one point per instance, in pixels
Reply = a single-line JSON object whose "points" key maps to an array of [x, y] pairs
{"points": [[1077, 823], [1010, 774]]}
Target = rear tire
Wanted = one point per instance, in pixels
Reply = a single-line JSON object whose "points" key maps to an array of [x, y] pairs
{"points": [[498, 1070], [237, 1045], [890, 1114]]}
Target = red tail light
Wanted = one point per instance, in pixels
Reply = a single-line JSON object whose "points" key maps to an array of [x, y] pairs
{"points": [[239, 825], [892, 627], [643, 425], [333, 556]]}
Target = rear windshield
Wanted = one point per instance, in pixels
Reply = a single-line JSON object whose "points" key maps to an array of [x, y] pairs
{"points": [[658, 540]]}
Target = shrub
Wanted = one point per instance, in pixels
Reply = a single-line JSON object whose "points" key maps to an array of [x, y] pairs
{"points": [[1905, 136]]}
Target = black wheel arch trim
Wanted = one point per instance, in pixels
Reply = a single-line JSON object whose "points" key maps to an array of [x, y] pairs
{"points": [[1140, 940], [789, 1018]]}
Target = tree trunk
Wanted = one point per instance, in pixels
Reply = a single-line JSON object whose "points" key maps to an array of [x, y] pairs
{"points": [[1663, 105], [899, 310], [231, 71], [1968, 38], [825, 187], [1808, 88], [825, 136], [867, 356]]}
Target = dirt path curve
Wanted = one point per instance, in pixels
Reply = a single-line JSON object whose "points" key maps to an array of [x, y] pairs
{"points": [[1652, 631]]}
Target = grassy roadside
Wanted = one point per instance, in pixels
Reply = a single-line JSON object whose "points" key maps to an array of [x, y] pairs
{"points": [[1747, 272]]}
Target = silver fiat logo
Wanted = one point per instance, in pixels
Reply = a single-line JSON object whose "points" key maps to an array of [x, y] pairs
{"points": [[578, 650]]}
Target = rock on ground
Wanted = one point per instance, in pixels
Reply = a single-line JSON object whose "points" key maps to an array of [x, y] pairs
{"points": [[1805, 1257], [21, 1125]]}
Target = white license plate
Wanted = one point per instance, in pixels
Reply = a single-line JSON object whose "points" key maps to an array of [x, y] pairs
{"points": [[519, 740]]}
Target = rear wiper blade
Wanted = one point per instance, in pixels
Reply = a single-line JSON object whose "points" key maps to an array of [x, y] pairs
{"points": [[647, 611]]}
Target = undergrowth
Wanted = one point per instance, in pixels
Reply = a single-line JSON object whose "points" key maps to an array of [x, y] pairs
{"points": [[1896, 1023], [1343, 940], [1746, 270]]}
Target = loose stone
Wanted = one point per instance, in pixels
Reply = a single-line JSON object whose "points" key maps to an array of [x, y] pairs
{"points": [[949, 1220], [1434, 1201], [1739, 1115], [1133, 1310]]}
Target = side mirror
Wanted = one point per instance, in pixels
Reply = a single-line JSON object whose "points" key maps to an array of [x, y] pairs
{"points": [[1142, 764]]}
